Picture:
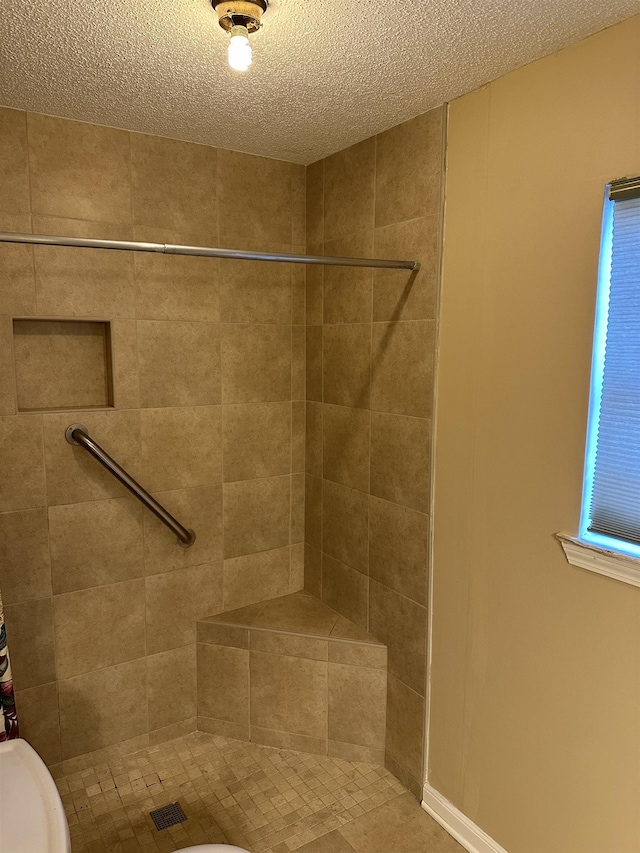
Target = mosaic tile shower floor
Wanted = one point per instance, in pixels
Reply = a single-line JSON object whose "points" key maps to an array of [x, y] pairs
{"points": [[267, 800]]}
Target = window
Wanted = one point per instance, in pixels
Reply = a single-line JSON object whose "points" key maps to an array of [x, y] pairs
{"points": [[610, 519]]}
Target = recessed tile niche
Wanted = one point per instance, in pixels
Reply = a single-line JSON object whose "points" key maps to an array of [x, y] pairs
{"points": [[62, 364]]}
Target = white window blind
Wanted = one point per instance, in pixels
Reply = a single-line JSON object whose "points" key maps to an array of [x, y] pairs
{"points": [[611, 503]]}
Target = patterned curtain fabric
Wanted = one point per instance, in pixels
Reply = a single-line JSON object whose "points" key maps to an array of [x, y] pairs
{"points": [[9, 718]]}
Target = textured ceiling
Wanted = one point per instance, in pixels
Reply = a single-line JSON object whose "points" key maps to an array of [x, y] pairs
{"points": [[326, 74]]}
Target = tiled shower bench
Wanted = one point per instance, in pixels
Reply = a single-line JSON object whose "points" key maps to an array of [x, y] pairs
{"points": [[292, 673]]}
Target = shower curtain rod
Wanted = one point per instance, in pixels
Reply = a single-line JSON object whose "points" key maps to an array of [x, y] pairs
{"points": [[205, 251]]}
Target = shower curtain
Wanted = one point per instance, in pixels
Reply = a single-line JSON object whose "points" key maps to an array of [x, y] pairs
{"points": [[9, 718]]}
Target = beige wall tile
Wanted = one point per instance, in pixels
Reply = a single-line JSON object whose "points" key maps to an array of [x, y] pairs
{"points": [[348, 290], [410, 192], [14, 166], [355, 752], [95, 543], [346, 360], [402, 625], [216, 634], [124, 353], [289, 694], [402, 367], [400, 459], [298, 429], [7, 378], [247, 615], [256, 363], [223, 683], [298, 203], [313, 570], [256, 515], [301, 614], [43, 351], [22, 485], [198, 509], [314, 288], [405, 724], [174, 186], [299, 290], [181, 447], [315, 202], [174, 603], [167, 706], [169, 373], [344, 630], [79, 170], [102, 708], [358, 654], [313, 440], [84, 283], [25, 567], [256, 577], [345, 590], [398, 548], [175, 287], [397, 294], [313, 511], [30, 636], [73, 475], [287, 740], [254, 191], [237, 731], [357, 705], [287, 644], [346, 446], [73, 227], [412, 783], [349, 190], [345, 525], [314, 363], [97, 628], [297, 519], [111, 753], [40, 721], [17, 272], [173, 731], [256, 440], [296, 569], [298, 362], [255, 291]]}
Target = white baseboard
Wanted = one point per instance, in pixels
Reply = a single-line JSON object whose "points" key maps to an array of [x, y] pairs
{"points": [[457, 824]]}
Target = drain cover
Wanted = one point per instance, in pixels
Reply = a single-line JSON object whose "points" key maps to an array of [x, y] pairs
{"points": [[167, 816]]}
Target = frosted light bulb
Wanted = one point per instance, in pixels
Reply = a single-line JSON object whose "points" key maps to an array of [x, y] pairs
{"points": [[239, 49]]}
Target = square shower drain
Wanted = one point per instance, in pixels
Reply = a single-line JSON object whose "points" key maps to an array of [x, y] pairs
{"points": [[167, 816]]}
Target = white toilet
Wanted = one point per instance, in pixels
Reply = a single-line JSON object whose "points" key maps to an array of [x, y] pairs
{"points": [[31, 812]]}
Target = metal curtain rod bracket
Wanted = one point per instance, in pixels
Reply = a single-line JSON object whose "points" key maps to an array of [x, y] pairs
{"points": [[79, 435], [205, 251]]}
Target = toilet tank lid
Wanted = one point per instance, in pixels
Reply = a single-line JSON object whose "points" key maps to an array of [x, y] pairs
{"points": [[31, 812]]}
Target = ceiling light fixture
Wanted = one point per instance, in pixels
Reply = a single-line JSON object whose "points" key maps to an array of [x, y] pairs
{"points": [[240, 18]]}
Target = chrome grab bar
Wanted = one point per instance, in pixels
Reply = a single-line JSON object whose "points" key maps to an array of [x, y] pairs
{"points": [[79, 435]]}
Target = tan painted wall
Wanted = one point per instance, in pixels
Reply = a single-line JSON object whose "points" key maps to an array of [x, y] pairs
{"points": [[535, 721]]}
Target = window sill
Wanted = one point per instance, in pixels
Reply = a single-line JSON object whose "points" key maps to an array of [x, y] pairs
{"points": [[600, 560]]}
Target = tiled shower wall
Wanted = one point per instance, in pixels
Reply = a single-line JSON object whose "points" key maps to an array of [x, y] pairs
{"points": [[370, 354], [101, 605]]}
